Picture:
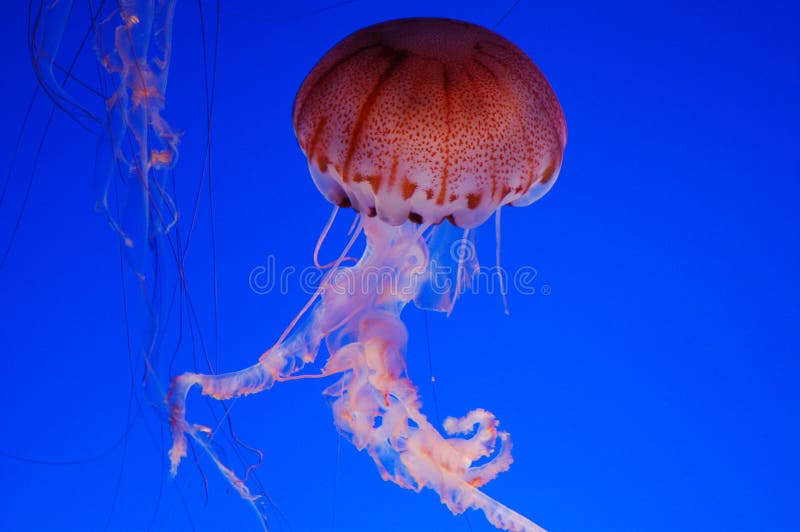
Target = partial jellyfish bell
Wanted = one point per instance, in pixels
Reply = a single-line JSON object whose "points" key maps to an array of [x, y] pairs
{"points": [[411, 122]]}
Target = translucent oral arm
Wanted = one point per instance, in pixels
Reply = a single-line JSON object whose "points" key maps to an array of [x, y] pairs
{"points": [[279, 363], [378, 409], [374, 403]]}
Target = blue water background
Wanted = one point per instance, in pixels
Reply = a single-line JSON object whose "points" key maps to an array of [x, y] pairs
{"points": [[649, 383]]}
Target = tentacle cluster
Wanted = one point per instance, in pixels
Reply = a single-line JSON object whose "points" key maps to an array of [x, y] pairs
{"points": [[375, 405]]}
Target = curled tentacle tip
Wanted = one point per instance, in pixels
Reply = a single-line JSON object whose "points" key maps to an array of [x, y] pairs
{"points": [[176, 454]]}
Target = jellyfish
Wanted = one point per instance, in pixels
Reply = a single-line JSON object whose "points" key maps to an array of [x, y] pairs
{"points": [[132, 42], [135, 154], [425, 127]]}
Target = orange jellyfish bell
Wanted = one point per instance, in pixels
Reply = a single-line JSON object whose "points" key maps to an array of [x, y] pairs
{"points": [[426, 119]]}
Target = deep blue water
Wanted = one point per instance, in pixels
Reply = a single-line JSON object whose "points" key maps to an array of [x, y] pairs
{"points": [[649, 383]]}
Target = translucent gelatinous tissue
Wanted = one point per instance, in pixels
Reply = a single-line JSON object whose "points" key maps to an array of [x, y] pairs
{"points": [[356, 319]]}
